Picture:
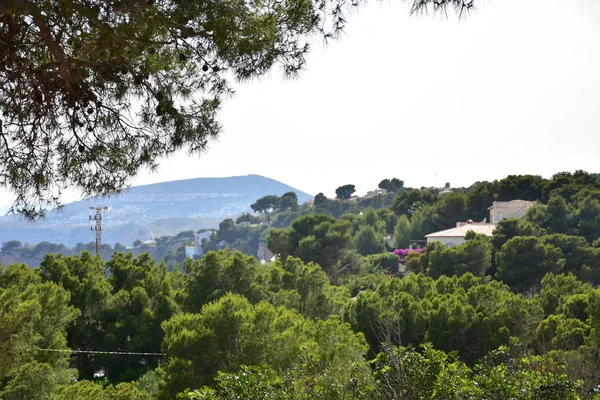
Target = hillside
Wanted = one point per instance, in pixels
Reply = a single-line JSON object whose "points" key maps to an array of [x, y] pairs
{"points": [[150, 210]]}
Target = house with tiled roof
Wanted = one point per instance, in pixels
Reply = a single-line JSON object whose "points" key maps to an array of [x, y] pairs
{"points": [[498, 211]]}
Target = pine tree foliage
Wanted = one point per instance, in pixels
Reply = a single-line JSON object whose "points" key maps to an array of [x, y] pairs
{"points": [[91, 92]]}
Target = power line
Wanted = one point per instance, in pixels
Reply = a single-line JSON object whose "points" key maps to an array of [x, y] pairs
{"points": [[125, 353]]}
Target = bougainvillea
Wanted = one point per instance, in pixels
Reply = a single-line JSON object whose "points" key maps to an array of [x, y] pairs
{"points": [[402, 253]]}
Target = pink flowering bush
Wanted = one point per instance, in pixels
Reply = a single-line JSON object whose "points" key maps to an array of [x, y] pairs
{"points": [[402, 253]]}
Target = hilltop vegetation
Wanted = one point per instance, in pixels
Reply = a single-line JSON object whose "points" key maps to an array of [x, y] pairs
{"points": [[337, 316]]}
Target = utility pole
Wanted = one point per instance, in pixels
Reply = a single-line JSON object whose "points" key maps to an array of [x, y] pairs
{"points": [[98, 227]]}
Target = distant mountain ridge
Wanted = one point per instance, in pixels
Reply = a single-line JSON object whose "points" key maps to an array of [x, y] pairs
{"points": [[144, 211]]}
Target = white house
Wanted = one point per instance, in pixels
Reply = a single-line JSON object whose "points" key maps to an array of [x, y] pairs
{"points": [[498, 211], [508, 209]]}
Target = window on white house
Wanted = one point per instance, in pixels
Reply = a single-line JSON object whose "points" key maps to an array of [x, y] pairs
{"points": [[499, 216]]}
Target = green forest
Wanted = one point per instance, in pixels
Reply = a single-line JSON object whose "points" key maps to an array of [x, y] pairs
{"points": [[338, 315]]}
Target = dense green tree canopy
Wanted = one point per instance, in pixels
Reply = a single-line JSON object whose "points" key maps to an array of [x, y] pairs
{"points": [[524, 260], [320, 199], [391, 185], [245, 329], [474, 256], [313, 238], [265, 203], [410, 200], [337, 315], [344, 192], [288, 201], [231, 332], [456, 314], [33, 315], [368, 241]]}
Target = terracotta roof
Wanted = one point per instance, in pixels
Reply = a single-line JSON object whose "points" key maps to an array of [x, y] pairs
{"points": [[461, 231]]}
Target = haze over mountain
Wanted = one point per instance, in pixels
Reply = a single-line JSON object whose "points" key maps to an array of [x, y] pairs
{"points": [[148, 211]]}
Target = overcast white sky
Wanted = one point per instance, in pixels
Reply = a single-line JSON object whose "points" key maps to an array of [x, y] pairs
{"points": [[512, 89]]}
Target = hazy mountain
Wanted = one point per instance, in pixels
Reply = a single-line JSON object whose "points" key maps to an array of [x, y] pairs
{"points": [[150, 210]]}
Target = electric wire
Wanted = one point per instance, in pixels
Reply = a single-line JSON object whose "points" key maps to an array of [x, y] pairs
{"points": [[101, 352]]}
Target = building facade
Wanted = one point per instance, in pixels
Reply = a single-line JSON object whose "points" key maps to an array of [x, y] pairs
{"points": [[499, 211], [508, 209]]}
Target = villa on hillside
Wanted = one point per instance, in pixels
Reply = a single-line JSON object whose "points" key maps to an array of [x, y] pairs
{"points": [[499, 211], [508, 209]]}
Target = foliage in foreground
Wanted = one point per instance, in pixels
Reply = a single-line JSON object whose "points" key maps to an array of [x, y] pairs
{"points": [[230, 326]]}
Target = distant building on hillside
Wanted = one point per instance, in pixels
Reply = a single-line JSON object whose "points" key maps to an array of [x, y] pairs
{"points": [[196, 250], [508, 209], [263, 253], [375, 192], [499, 211]]}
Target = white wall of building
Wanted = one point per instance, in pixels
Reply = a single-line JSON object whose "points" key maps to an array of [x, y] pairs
{"points": [[447, 241], [503, 210]]}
